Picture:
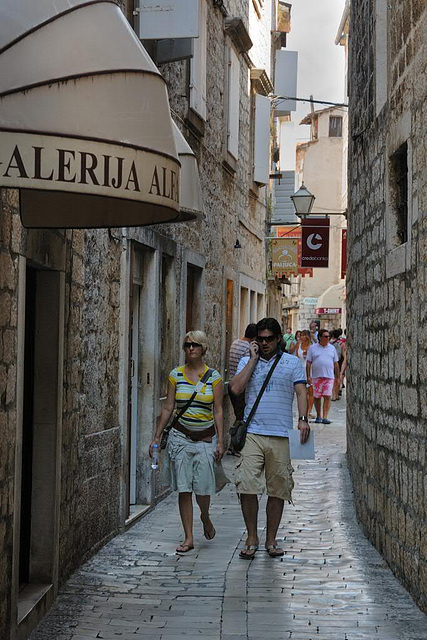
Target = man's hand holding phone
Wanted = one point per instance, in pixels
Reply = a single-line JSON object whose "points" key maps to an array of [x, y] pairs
{"points": [[254, 350]]}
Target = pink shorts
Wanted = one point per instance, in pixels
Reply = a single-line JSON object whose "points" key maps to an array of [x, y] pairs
{"points": [[322, 387]]}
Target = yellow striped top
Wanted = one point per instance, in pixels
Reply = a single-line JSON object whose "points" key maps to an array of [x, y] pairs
{"points": [[199, 415]]}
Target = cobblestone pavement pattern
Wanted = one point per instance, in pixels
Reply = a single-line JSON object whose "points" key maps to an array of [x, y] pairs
{"points": [[331, 583]]}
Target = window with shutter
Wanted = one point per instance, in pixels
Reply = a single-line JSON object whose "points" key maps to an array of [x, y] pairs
{"points": [[262, 140], [233, 111], [198, 66]]}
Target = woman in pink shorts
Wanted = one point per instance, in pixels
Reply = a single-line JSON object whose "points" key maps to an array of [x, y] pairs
{"points": [[322, 373]]}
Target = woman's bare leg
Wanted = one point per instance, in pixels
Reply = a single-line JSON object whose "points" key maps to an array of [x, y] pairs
{"points": [[185, 503], [204, 504]]}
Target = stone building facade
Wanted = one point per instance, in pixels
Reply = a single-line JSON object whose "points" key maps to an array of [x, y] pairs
{"points": [[387, 277], [91, 322]]}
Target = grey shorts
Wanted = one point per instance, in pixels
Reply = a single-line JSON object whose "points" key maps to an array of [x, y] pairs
{"points": [[191, 464]]}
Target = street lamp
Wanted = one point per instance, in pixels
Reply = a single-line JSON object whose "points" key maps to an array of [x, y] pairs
{"points": [[303, 201]]}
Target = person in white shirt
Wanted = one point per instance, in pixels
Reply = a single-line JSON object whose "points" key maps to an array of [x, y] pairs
{"points": [[266, 450], [322, 373]]}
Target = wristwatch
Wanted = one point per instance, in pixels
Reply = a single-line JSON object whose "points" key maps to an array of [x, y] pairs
{"points": [[303, 419]]}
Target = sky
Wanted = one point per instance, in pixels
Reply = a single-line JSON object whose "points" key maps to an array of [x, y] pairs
{"points": [[314, 26]]}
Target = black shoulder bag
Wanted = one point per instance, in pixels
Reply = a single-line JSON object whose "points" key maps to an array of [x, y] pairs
{"points": [[165, 434], [240, 427]]}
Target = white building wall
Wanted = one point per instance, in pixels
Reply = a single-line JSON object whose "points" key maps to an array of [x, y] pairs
{"points": [[259, 30]]}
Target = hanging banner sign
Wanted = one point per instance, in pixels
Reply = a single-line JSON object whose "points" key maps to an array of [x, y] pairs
{"points": [[315, 242], [294, 232], [343, 253], [284, 257]]}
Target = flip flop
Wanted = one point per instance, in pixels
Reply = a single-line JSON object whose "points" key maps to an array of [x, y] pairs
{"points": [[210, 532], [184, 548], [274, 551], [248, 552]]}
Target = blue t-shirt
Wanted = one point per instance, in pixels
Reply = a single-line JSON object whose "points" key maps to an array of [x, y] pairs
{"points": [[273, 416]]}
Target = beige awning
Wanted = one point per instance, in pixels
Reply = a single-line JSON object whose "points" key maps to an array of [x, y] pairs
{"points": [[85, 126], [190, 197]]}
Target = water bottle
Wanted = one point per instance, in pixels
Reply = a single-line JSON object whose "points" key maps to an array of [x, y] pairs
{"points": [[155, 458]]}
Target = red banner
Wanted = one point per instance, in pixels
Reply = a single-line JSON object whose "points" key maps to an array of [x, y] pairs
{"points": [[344, 253], [295, 232], [315, 242]]}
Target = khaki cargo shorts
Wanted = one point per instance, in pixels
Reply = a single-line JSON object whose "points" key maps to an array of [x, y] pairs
{"points": [[265, 462]]}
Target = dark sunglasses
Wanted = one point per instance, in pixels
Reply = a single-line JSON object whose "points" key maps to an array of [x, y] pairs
{"points": [[325, 335], [266, 338], [187, 345]]}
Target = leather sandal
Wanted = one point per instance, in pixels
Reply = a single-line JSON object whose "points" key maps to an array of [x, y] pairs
{"points": [[208, 531], [274, 551], [248, 552], [184, 548]]}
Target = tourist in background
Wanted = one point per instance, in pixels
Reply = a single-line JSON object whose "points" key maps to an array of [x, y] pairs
{"points": [[289, 339], [301, 349], [314, 330], [294, 344], [323, 374], [239, 348], [337, 344]]}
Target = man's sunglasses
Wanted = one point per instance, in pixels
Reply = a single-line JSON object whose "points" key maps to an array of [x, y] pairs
{"points": [[266, 338], [187, 345]]}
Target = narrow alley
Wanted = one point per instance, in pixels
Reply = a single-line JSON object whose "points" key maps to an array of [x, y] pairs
{"points": [[331, 584]]}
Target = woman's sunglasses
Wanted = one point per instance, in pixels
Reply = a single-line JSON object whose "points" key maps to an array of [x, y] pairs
{"points": [[266, 338], [187, 345]]}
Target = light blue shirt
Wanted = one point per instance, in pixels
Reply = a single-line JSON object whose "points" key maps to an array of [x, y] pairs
{"points": [[274, 414]]}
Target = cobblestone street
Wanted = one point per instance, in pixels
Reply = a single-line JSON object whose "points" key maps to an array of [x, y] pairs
{"points": [[331, 583]]}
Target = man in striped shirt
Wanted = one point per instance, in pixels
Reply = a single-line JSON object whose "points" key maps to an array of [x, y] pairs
{"points": [[238, 349], [266, 450]]}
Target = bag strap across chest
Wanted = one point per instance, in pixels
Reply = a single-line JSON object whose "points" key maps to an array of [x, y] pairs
{"points": [[264, 385], [179, 415]]}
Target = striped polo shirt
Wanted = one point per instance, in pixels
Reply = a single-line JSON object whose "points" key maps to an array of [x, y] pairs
{"points": [[273, 416], [199, 415], [238, 349]]}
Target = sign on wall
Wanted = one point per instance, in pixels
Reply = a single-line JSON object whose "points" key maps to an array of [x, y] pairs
{"points": [[315, 242], [343, 253], [284, 257], [46, 167], [160, 19], [322, 311]]}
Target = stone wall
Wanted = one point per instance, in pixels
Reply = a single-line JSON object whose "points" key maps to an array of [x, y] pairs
{"points": [[8, 321], [90, 478], [387, 287]]}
